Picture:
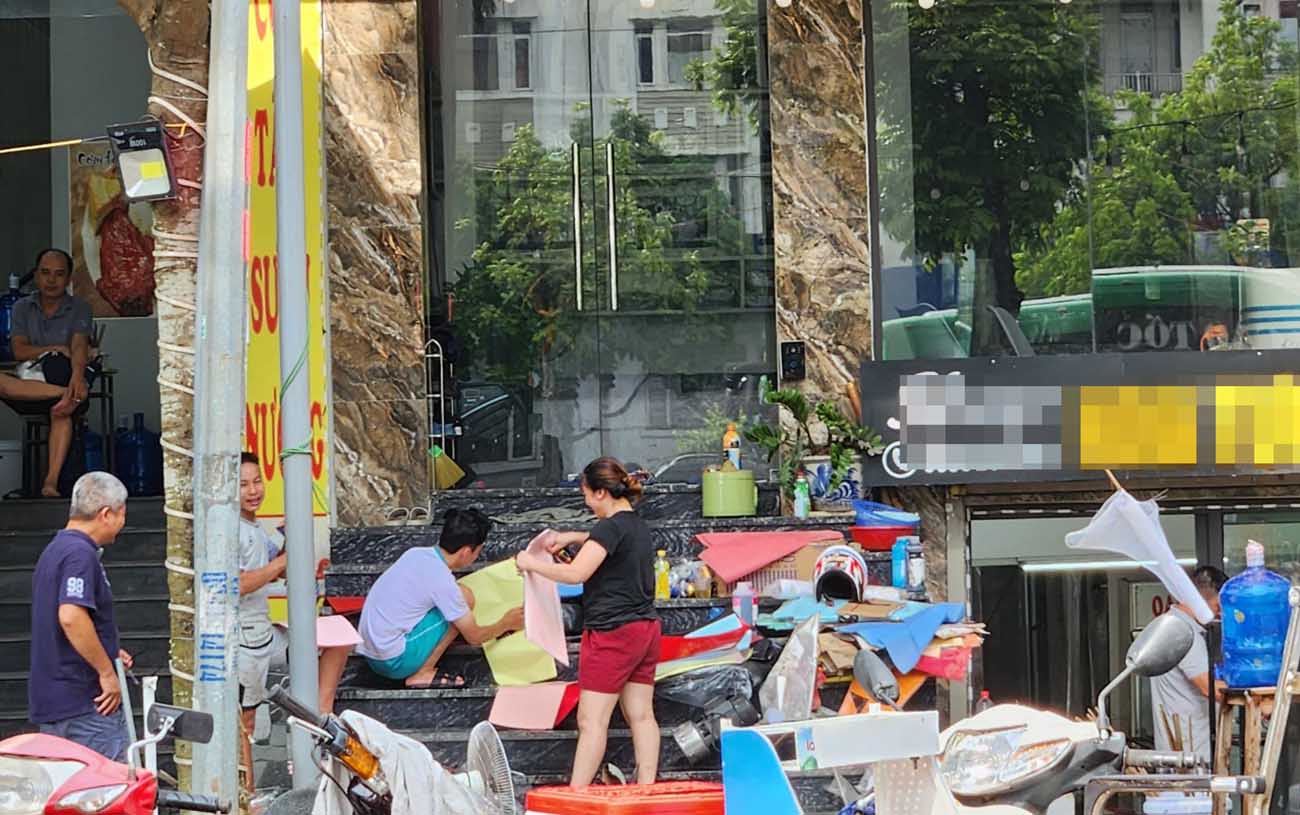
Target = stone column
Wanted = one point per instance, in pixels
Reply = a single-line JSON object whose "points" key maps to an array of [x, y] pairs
{"points": [[374, 182], [819, 176]]}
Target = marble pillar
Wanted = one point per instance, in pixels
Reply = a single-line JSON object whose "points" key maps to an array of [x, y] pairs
{"points": [[374, 185], [819, 178]]}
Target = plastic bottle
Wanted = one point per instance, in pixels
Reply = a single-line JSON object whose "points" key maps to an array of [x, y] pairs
{"points": [[731, 445], [139, 456], [898, 561], [7, 301], [94, 448], [663, 579], [915, 565], [802, 497], [1255, 617], [703, 581], [742, 602], [984, 702]]}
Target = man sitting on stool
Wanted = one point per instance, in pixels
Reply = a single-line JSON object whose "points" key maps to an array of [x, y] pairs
{"points": [[52, 328]]}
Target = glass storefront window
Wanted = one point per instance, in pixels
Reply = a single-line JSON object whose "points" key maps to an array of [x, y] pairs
{"points": [[1060, 178], [600, 223], [1278, 531]]}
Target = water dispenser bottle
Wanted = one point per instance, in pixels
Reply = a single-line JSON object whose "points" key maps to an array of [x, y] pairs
{"points": [[139, 457], [1255, 618], [7, 301]]}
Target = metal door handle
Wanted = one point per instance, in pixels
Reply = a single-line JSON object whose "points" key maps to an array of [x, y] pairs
{"points": [[612, 225], [577, 226]]}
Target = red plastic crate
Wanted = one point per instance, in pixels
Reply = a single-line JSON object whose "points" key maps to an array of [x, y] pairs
{"points": [[879, 538], [664, 798]]}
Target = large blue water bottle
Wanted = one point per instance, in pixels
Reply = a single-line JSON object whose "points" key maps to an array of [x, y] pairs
{"points": [[7, 301], [139, 459], [1255, 617]]}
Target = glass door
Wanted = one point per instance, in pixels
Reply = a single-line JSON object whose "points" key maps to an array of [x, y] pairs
{"points": [[679, 103], [512, 193], [600, 190]]}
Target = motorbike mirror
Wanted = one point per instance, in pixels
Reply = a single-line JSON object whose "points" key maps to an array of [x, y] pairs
{"points": [[1160, 646], [874, 676], [187, 725]]}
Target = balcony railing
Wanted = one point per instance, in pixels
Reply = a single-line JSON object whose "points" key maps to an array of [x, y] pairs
{"points": [[1154, 84]]}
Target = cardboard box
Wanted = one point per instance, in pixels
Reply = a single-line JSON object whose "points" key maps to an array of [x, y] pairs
{"points": [[797, 566]]}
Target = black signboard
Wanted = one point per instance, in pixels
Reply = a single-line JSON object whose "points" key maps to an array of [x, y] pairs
{"points": [[1054, 418]]}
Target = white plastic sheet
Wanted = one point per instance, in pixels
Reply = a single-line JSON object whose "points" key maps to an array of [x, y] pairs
{"points": [[1130, 527], [788, 690]]}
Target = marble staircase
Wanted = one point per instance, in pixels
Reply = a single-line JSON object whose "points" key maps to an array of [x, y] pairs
{"points": [[134, 564], [441, 718]]}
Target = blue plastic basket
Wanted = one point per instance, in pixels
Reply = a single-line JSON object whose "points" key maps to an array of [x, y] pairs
{"points": [[870, 513]]}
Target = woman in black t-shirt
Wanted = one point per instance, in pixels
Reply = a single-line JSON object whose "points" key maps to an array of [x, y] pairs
{"points": [[620, 638]]}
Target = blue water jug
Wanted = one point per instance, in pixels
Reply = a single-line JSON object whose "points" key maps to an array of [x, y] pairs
{"points": [[139, 459], [7, 301], [1255, 617], [94, 450]]}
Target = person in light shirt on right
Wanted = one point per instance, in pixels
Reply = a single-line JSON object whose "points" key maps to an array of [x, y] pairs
{"points": [[1178, 698]]}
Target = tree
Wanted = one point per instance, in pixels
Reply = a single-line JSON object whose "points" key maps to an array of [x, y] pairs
{"points": [[1137, 215], [1198, 160], [989, 142], [176, 32], [734, 72]]}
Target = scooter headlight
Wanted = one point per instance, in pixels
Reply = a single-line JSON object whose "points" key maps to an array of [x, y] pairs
{"points": [[985, 763], [95, 799], [27, 784]]}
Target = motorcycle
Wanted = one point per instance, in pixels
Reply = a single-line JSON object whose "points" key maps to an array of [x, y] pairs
{"points": [[40, 773], [1015, 760], [486, 787]]}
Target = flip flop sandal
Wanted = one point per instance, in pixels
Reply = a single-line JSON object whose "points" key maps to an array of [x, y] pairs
{"points": [[439, 681]]}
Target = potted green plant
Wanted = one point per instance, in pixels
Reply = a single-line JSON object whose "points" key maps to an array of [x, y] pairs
{"points": [[818, 431]]}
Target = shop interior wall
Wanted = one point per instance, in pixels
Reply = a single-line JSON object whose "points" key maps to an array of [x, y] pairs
{"points": [[24, 177], [1056, 638], [79, 70], [99, 75]]}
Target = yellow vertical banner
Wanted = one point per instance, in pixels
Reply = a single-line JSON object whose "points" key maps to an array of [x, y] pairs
{"points": [[263, 427]]}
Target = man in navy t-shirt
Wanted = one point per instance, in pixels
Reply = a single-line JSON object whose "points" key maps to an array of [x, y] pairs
{"points": [[73, 690]]}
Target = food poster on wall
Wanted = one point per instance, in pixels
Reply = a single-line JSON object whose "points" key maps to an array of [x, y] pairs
{"points": [[112, 240], [263, 424]]}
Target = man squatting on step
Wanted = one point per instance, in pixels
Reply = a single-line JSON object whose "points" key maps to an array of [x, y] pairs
{"points": [[415, 609]]}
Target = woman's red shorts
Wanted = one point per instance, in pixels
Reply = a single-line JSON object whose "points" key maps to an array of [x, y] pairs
{"points": [[611, 659]]}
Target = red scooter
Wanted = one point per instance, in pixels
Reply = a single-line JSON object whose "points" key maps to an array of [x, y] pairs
{"points": [[47, 774]]}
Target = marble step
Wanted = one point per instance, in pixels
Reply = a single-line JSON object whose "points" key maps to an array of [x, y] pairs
{"points": [[464, 707], [659, 501], [148, 647], [127, 577], [50, 514], [137, 612], [22, 547], [551, 751], [677, 616], [13, 700], [384, 544]]}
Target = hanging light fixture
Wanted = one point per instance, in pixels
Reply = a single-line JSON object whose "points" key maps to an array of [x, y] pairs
{"points": [[784, 3], [143, 161], [925, 4]]}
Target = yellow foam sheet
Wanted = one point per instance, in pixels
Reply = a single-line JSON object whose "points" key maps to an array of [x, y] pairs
{"points": [[513, 659]]}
